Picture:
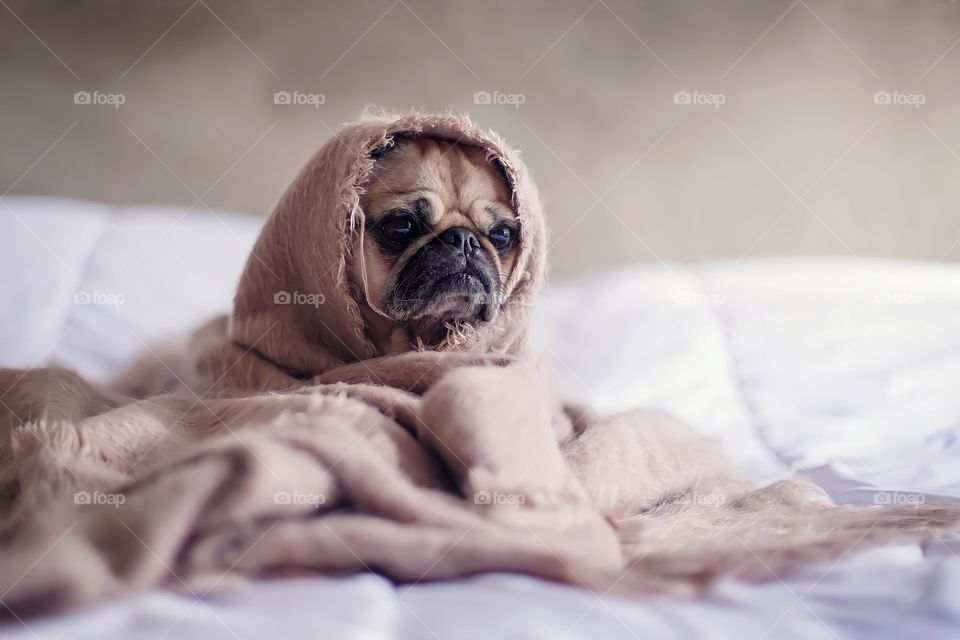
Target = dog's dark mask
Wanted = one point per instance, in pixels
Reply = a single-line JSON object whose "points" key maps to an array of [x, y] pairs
{"points": [[450, 278]]}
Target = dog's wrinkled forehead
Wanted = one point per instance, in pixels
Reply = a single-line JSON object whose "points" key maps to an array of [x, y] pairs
{"points": [[451, 178]]}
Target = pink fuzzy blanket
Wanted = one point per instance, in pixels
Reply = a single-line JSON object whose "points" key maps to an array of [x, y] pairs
{"points": [[285, 440]]}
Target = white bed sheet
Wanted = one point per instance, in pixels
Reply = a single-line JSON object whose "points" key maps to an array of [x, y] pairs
{"points": [[845, 369]]}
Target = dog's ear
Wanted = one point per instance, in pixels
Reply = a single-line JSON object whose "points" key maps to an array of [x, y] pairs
{"points": [[387, 145], [377, 152]]}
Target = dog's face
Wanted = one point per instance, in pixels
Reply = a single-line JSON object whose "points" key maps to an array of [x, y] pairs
{"points": [[441, 237]]}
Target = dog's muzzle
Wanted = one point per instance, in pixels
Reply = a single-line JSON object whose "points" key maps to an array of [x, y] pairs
{"points": [[450, 277]]}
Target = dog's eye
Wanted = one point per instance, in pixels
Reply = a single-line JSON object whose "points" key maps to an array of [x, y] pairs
{"points": [[502, 237], [398, 227], [397, 230]]}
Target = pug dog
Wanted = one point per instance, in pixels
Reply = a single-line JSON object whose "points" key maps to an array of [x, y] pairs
{"points": [[440, 242]]}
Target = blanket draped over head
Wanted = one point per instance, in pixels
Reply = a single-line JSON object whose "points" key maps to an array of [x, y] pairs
{"points": [[292, 443]]}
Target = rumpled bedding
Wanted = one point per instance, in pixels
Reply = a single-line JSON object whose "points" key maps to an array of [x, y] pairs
{"points": [[292, 445]]}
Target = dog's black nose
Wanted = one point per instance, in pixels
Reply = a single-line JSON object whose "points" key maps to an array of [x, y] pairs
{"points": [[461, 238]]}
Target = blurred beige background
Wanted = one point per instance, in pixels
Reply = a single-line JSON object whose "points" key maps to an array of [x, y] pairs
{"points": [[781, 143]]}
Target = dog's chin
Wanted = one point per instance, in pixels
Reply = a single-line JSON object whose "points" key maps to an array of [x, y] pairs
{"points": [[462, 296]]}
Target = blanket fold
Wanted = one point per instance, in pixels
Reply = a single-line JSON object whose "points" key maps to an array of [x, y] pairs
{"points": [[290, 441]]}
